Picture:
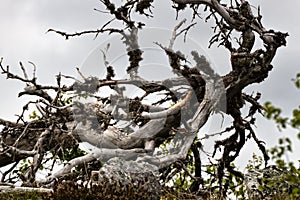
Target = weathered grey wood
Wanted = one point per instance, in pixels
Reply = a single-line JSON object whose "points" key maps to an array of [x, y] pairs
{"points": [[10, 189]]}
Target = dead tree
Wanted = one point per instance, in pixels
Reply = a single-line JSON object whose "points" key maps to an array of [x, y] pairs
{"points": [[64, 123]]}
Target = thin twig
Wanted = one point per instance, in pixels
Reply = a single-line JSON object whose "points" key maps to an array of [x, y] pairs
{"points": [[22, 134]]}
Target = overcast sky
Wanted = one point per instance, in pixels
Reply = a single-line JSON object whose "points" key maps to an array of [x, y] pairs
{"points": [[23, 38]]}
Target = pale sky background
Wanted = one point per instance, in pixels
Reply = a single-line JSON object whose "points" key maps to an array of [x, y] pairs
{"points": [[22, 38]]}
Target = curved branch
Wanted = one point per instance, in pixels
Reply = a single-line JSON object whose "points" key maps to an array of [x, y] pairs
{"points": [[210, 102], [100, 154], [170, 111]]}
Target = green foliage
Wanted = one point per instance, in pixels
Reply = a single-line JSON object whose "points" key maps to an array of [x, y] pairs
{"points": [[295, 121], [284, 146], [256, 163], [281, 184], [23, 167], [278, 182], [297, 80], [64, 99], [34, 115], [232, 183], [285, 183], [272, 112], [71, 153]]}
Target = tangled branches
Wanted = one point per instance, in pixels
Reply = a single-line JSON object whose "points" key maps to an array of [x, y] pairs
{"points": [[197, 91]]}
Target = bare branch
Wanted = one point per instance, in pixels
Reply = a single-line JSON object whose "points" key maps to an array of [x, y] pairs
{"points": [[171, 110], [98, 31], [102, 154]]}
